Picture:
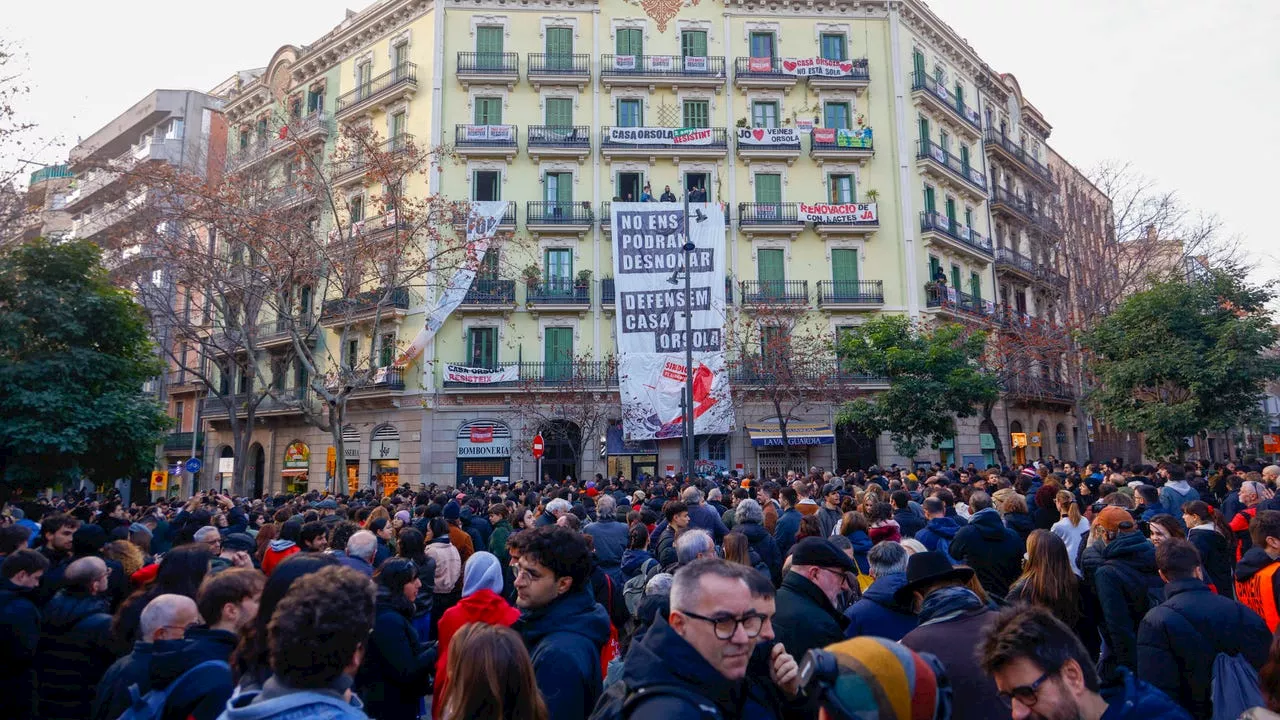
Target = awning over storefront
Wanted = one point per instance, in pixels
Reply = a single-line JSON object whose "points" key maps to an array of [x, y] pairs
{"points": [[293, 472], [770, 435]]}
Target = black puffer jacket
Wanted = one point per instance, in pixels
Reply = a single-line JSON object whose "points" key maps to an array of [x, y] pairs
{"points": [[1215, 555], [1123, 576], [764, 546], [393, 677], [19, 637], [991, 549], [75, 650]]}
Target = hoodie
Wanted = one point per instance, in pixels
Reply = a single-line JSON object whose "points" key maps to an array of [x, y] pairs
{"points": [[862, 545], [633, 561], [277, 551], [275, 700], [1133, 699], [1174, 494], [482, 606], [564, 640], [878, 613], [1021, 523], [885, 530], [938, 530], [991, 549]]}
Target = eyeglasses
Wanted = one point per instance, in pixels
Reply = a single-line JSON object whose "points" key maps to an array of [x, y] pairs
{"points": [[1025, 694], [726, 627]]}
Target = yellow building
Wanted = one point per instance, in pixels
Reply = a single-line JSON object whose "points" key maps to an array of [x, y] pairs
{"points": [[560, 108]]}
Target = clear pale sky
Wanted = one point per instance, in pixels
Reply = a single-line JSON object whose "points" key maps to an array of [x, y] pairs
{"points": [[1187, 91]]}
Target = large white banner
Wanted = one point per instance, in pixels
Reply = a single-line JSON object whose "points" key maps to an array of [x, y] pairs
{"points": [[647, 250], [768, 136], [489, 133], [482, 224], [817, 66], [660, 136], [481, 376]]}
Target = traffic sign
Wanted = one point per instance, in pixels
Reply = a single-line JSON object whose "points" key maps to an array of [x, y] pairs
{"points": [[194, 465], [159, 480], [537, 446]]}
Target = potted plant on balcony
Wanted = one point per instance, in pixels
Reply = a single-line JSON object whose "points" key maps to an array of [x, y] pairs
{"points": [[873, 195], [582, 282], [531, 274]]}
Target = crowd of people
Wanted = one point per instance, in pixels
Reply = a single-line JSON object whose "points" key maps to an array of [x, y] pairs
{"points": [[1056, 591]]}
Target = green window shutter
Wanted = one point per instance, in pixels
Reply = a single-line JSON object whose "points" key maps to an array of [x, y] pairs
{"points": [[930, 200], [964, 158], [559, 112], [968, 217], [769, 267], [559, 41], [951, 210], [482, 347], [923, 123], [488, 111], [840, 188], [693, 43], [833, 46], [630, 41], [768, 188], [935, 267], [959, 96], [558, 352], [764, 114], [917, 64], [975, 285], [944, 142], [559, 269], [844, 268], [836, 115], [762, 45], [489, 41], [955, 277], [559, 187], [697, 114]]}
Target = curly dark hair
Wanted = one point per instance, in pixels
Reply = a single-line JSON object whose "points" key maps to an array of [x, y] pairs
{"points": [[319, 625], [561, 550], [340, 533]]}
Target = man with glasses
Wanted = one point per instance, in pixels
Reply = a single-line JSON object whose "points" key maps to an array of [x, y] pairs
{"points": [[161, 628], [809, 615], [694, 663], [1043, 671]]}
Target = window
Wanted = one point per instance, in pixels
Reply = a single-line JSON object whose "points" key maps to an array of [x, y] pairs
{"points": [[396, 130], [486, 185], [773, 343], [178, 408], [935, 269], [833, 46], [364, 73], [930, 199], [558, 192], [357, 208], [693, 43], [386, 349], [951, 211], [399, 55], [955, 276], [262, 130], [559, 43], [558, 353], [968, 217], [175, 129], [917, 65], [482, 347], [697, 114], [768, 188], [630, 41], [244, 138], [629, 186], [295, 108], [352, 354], [762, 45], [964, 158], [844, 269], [840, 188], [304, 303], [770, 271], [315, 101], [696, 181], [940, 76], [836, 115], [975, 285], [923, 123], [559, 112], [764, 114], [488, 110], [944, 142], [558, 269], [489, 47], [630, 112], [959, 96]]}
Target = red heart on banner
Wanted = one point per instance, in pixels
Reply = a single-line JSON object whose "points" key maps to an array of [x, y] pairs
{"points": [[759, 134], [789, 65]]}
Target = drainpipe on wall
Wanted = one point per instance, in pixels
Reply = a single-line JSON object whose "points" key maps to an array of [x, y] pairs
{"points": [[910, 230]]}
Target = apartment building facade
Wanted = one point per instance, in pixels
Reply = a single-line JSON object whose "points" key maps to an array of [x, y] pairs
{"points": [[784, 118]]}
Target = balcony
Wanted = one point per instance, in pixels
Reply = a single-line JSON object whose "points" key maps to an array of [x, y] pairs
{"points": [[928, 91], [655, 71], [558, 294], [852, 74], [568, 375], [488, 69], [180, 442], [940, 229], [1009, 204], [939, 163], [276, 333], [850, 294], [663, 142], [92, 224], [559, 70], [606, 217], [1039, 390], [840, 144], [819, 373], [546, 141], [1012, 318], [1049, 276], [92, 184], [1008, 260], [390, 86], [607, 291], [842, 218], [769, 218], [953, 302], [486, 141], [383, 303], [762, 72], [487, 294], [768, 144], [1003, 146], [558, 217], [385, 381], [288, 401], [776, 293], [506, 224], [1045, 224]]}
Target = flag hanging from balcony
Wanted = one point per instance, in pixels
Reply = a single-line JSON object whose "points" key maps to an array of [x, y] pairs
{"points": [[648, 267], [482, 224]]}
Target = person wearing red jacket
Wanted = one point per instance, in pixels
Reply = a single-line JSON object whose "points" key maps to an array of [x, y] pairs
{"points": [[283, 546], [481, 602]]}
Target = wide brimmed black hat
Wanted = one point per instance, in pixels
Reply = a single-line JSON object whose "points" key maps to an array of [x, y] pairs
{"points": [[927, 568]]}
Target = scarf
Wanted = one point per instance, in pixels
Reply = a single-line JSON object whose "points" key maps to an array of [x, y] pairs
{"points": [[948, 603]]}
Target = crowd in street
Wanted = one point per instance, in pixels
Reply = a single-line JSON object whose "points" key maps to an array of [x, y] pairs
{"points": [[1058, 591]]}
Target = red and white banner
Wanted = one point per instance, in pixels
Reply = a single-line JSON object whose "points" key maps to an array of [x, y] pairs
{"points": [[838, 212], [660, 63], [660, 136], [693, 63], [817, 66], [768, 136], [489, 133], [760, 65], [481, 376]]}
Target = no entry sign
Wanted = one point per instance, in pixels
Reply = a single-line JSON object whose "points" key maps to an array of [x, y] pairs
{"points": [[537, 447]]}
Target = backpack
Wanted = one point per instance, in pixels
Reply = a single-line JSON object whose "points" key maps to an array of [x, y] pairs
{"points": [[618, 702], [1235, 687], [633, 589], [151, 706]]}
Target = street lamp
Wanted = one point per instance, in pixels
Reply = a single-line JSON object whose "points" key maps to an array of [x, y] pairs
{"points": [[687, 446]]}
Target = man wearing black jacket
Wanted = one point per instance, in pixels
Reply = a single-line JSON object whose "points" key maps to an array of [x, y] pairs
{"points": [[19, 631], [1120, 564], [160, 629]]}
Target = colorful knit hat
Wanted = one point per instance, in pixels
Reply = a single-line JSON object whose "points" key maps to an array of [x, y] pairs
{"points": [[882, 680]]}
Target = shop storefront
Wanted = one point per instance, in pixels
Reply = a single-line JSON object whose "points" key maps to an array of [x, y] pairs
{"points": [[804, 440], [629, 459], [297, 460], [384, 457], [351, 458], [484, 452]]}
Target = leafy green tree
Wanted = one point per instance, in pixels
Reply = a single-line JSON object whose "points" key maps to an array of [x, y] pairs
{"points": [[74, 354], [1183, 357], [934, 377]]}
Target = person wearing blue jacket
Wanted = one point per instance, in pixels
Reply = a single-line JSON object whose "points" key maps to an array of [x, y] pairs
{"points": [[562, 625], [940, 530], [878, 613], [784, 533]]}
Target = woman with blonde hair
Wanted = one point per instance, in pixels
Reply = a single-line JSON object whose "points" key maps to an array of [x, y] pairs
{"points": [[377, 512], [491, 677], [1072, 528]]}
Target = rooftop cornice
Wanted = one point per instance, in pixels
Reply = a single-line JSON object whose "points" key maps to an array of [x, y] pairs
{"points": [[353, 34]]}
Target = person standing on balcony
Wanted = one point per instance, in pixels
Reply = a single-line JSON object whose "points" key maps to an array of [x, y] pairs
{"points": [[667, 195]]}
